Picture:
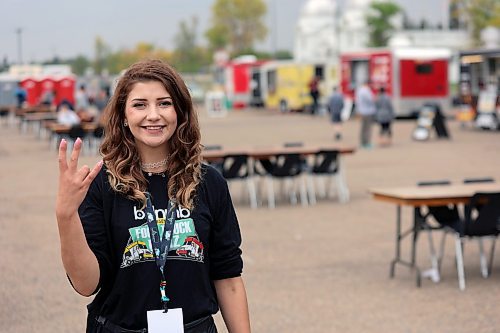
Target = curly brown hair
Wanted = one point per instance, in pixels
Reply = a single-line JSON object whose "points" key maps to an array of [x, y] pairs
{"points": [[120, 153]]}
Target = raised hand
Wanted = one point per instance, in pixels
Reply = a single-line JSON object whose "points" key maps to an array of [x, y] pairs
{"points": [[73, 182]]}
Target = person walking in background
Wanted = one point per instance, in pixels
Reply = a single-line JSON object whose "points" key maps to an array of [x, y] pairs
{"points": [[83, 105], [150, 227], [48, 98], [384, 116], [365, 107], [81, 99], [315, 94], [335, 106], [102, 99], [21, 95]]}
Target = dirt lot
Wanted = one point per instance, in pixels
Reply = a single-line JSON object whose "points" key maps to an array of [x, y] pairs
{"points": [[321, 268]]}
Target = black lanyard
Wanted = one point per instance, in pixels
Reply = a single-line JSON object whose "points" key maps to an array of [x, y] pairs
{"points": [[161, 243]]}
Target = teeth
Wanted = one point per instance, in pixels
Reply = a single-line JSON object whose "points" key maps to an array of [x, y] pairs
{"points": [[153, 127]]}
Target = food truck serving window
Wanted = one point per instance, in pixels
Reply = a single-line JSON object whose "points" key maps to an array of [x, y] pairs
{"points": [[424, 68], [319, 72], [271, 81]]}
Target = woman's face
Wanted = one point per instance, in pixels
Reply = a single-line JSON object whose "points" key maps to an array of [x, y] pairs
{"points": [[151, 116]]}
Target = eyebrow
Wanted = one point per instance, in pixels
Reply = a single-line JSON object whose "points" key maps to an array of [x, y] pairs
{"points": [[145, 100]]}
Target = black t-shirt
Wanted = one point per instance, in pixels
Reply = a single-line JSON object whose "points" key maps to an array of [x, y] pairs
{"points": [[205, 247]]}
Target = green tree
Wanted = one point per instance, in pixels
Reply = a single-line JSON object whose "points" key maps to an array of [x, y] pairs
{"points": [[379, 21], [478, 14], [188, 57], [123, 58], [102, 52], [79, 64], [236, 24]]}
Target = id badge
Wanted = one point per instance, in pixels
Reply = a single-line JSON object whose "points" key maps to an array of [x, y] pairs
{"points": [[161, 322]]}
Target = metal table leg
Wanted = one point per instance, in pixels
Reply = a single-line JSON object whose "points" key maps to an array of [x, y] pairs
{"points": [[399, 237]]}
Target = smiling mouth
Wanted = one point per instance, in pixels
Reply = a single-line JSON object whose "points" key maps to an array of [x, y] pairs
{"points": [[153, 128]]}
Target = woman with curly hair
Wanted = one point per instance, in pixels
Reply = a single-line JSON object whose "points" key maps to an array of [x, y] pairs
{"points": [[150, 230]]}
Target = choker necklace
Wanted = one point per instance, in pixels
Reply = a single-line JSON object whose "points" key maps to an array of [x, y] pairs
{"points": [[154, 165]]}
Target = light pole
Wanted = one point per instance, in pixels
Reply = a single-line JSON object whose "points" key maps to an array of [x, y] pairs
{"points": [[337, 27], [275, 29], [19, 32]]}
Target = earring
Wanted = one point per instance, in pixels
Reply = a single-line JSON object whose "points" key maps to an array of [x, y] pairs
{"points": [[125, 123]]}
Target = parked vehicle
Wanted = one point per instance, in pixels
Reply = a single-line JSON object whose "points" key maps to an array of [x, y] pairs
{"points": [[241, 83], [480, 85], [411, 76], [285, 83]]}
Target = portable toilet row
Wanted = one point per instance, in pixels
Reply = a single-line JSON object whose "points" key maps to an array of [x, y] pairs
{"points": [[63, 88]]}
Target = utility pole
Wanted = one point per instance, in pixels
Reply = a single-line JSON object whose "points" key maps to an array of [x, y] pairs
{"points": [[275, 28], [445, 16], [337, 27], [19, 32]]}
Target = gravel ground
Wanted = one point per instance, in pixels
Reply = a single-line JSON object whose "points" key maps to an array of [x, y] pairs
{"points": [[322, 268]]}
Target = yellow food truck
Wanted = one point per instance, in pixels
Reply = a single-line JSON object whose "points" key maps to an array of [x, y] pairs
{"points": [[285, 83]]}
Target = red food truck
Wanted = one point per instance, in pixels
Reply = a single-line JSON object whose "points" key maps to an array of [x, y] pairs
{"points": [[411, 76], [241, 83]]}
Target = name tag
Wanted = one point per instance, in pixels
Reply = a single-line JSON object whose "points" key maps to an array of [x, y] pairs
{"points": [[170, 322]]}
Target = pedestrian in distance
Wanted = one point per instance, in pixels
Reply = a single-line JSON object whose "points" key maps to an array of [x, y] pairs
{"points": [[315, 94], [365, 107], [150, 230], [335, 106], [81, 99], [48, 98], [384, 116], [21, 95]]}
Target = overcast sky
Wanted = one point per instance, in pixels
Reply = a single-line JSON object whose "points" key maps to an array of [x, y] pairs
{"points": [[66, 28]]}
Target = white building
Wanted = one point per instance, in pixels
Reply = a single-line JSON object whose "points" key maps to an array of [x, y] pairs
{"points": [[324, 29], [354, 34], [316, 37]]}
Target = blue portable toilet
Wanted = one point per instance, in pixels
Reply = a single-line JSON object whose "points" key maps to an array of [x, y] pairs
{"points": [[8, 86]]}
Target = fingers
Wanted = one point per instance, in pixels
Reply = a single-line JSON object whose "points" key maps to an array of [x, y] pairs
{"points": [[92, 173], [77, 147], [83, 172], [63, 146]]}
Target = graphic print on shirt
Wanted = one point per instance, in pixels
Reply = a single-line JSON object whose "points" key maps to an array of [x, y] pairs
{"points": [[185, 244]]}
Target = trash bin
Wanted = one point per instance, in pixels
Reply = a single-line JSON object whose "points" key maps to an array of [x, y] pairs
{"points": [[216, 104]]}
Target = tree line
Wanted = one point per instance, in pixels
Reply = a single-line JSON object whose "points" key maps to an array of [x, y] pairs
{"points": [[236, 25]]}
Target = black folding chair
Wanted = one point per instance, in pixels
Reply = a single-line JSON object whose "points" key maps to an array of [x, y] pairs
{"points": [[325, 166], [96, 138], [293, 144], [75, 132], [478, 180], [286, 168], [443, 216], [217, 164], [212, 147], [236, 167], [481, 219]]}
